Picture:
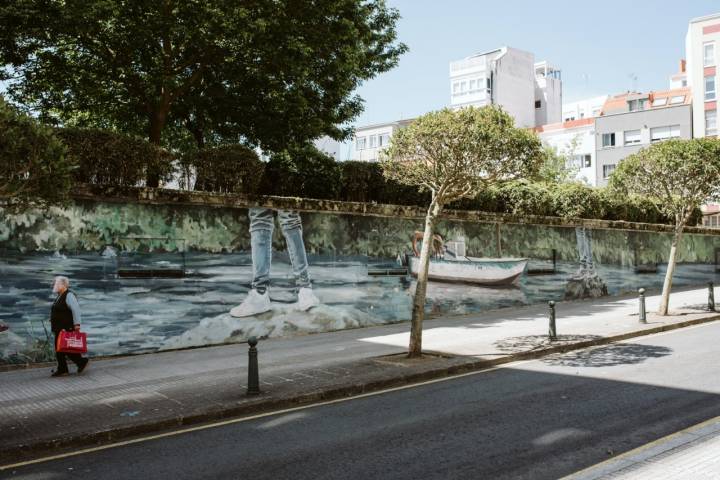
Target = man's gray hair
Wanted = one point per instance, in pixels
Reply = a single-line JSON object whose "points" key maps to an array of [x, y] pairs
{"points": [[64, 280]]}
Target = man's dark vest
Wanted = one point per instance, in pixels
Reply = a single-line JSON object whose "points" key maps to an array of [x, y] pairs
{"points": [[61, 317]]}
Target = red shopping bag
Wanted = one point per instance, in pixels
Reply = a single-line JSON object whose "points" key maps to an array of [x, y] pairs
{"points": [[72, 342]]}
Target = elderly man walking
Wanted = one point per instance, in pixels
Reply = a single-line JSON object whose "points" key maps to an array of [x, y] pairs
{"points": [[65, 315]]}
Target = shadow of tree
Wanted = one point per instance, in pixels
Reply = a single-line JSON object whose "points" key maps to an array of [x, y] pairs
{"points": [[608, 356], [535, 342]]}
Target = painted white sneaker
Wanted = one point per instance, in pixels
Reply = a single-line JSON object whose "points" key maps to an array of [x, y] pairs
{"points": [[306, 300], [254, 304]]}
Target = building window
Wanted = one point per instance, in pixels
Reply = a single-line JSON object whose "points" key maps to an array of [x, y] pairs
{"points": [[607, 170], [660, 102], [608, 140], [632, 137], [711, 123], [677, 99], [360, 143], [709, 54], [373, 141], [538, 103], [385, 139], [638, 104], [663, 133], [580, 161], [710, 88]]}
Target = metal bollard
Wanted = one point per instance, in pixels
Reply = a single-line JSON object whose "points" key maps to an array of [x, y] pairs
{"points": [[253, 386], [641, 298], [711, 296], [553, 332]]}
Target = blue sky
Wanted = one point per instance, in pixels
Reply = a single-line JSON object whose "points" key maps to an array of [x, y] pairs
{"points": [[597, 45]]}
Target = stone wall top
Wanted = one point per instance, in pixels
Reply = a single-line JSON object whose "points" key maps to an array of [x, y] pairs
{"points": [[159, 196]]}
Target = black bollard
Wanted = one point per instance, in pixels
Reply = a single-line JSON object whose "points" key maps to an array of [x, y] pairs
{"points": [[711, 296], [641, 298], [553, 332], [253, 387]]}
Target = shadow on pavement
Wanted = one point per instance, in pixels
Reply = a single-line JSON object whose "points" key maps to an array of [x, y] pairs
{"points": [[608, 356]]}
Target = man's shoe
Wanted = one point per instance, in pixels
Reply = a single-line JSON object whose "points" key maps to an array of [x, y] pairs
{"points": [[306, 299], [59, 374], [254, 304], [82, 367]]}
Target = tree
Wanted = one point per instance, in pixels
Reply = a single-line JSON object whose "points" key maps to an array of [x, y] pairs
{"points": [[680, 175], [268, 72], [454, 155], [35, 168]]}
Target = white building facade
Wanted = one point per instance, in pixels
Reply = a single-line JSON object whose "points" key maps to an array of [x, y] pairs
{"points": [[530, 92], [371, 140], [587, 108], [574, 139], [702, 43]]}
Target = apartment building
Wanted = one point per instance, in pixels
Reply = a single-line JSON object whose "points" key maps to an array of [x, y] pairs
{"points": [[531, 92], [587, 108], [631, 121], [574, 139], [701, 50], [370, 140]]}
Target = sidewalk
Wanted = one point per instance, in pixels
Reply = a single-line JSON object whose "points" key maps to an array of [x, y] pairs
{"points": [[692, 454], [121, 397]]}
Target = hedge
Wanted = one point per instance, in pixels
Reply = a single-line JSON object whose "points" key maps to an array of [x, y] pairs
{"points": [[34, 166], [115, 159], [224, 169], [108, 158]]}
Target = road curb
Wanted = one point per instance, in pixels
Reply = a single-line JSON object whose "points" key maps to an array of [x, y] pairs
{"points": [[267, 403]]}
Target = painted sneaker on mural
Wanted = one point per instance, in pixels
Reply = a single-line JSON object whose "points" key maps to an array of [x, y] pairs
{"points": [[255, 303], [306, 300]]}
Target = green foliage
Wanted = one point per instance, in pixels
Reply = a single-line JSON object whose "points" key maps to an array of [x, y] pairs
{"points": [[268, 73], [34, 167], [225, 169], [555, 167], [679, 175], [365, 182], [302, 172], [455, 153], [108, 158]]}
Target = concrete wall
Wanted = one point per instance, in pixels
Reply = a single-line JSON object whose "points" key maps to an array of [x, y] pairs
{"points": [[644, 121], [104, 231], [515, 86]]}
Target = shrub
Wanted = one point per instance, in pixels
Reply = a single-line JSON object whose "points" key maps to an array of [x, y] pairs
{"points": [[34, 165], [302, 172], [225, 169], [109, 158]]}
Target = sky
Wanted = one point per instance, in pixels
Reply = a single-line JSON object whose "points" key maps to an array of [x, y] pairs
{"points": [[599, 46]]}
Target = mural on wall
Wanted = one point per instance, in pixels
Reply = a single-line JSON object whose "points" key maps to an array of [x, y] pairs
{"points": [[154, 277], [585, 282]]}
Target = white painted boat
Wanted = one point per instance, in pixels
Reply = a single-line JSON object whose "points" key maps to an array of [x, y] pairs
{"points": [[479, 271]]}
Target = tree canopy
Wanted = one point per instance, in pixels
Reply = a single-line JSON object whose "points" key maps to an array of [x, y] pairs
{"points": [[35, 167], [456, 154], [268, 72], [681, 175]]}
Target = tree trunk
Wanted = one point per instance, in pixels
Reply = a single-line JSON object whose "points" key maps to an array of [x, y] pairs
{"points": [[157, 123], [418, 312], [665, 300]]}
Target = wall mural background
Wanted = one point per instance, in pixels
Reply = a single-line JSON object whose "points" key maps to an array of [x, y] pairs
{"points": [[353, 266]]}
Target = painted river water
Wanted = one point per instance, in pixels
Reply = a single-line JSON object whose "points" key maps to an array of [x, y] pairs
{"points": [[134, 315]]}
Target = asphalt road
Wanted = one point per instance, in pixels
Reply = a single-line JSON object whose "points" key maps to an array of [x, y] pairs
{"points": [[536, 420]]}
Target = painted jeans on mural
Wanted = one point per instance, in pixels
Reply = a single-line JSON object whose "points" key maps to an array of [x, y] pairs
{"points": [[262, 224]]}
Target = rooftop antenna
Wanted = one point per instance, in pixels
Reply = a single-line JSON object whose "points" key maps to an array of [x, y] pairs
{"points": [[634, 79]]}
